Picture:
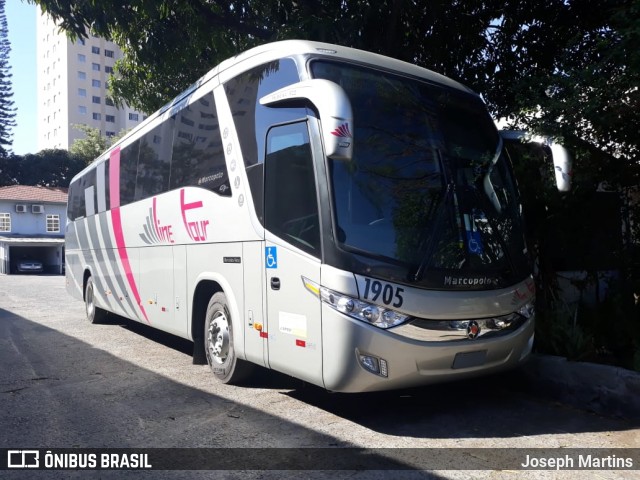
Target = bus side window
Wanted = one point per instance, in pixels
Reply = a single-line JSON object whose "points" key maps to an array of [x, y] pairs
{"points": [[128, 172], [154, 161], [198, 154], [290, 199], [252, 119]]}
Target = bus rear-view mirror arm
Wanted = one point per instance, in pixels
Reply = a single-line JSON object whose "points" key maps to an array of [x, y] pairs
{"points": [[334, 107]]}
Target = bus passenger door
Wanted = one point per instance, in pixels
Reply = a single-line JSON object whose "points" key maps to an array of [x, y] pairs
{"points": [[292, 253]]}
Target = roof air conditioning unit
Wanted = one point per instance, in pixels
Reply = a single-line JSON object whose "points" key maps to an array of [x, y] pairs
{"points": [[37, 208], [21, 208]]}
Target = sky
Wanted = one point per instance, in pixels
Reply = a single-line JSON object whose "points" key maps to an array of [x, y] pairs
{"points": [[21, 20]]}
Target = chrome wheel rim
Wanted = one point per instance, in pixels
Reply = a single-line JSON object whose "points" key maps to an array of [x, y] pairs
{"points": [[218, 338], [90, 302]]}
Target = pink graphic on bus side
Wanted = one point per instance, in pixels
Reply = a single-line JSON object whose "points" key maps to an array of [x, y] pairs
{"points": [[196, 227]]}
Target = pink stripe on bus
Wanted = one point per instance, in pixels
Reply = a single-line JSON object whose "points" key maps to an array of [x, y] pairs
{"points": [[124, 257], [114, 178]]}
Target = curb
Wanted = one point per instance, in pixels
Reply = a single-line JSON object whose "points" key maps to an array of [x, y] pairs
{"points": [[603, 389]]}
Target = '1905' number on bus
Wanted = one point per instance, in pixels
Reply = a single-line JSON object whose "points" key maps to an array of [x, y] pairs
{"points": [[373, 289]]}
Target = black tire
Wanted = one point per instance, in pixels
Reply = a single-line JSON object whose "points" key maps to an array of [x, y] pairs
{"points": [[95, 314], [218, 343]]}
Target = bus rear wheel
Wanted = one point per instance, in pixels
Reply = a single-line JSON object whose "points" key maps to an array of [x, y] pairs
{"points": [[218, 343], [94, 313]]}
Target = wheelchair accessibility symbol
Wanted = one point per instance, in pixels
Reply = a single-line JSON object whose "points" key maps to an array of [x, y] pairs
{"points": [[271, 257], [474, 243]]}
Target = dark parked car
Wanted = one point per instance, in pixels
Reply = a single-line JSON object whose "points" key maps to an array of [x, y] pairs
{"points": [[29, 265]]}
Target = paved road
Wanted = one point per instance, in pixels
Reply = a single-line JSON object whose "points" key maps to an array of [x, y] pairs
{"points": [[66, 383]]}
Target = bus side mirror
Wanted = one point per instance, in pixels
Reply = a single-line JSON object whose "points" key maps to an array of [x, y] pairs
{"points": [[562, 164], [562, 161], [334, 107]]}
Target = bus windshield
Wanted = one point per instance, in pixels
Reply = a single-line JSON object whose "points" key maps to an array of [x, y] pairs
{"points": [[428, 188]]}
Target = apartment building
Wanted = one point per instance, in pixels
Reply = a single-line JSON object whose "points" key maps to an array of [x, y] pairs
{"points": [[72, 79]]}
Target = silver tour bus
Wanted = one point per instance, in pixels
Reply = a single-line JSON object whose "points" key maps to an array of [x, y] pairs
{"points": [[342, 217]]}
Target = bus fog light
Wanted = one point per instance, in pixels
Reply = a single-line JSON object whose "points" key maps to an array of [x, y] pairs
{"points": [[374, 364], [370, 363]]}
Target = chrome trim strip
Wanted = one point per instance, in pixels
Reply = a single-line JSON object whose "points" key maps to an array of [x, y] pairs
{"points": [[459, 330]]}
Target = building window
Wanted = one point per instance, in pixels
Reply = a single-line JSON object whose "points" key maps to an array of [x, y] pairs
{"points": [[187, 121], [95, 50], [95, 99], [108, 69], [81, 41], [95, 67], [82, 75], [108, 53], [97, 116], [81, 58], [110, 118], [82, 92], [53, 223], [5, 222], [95, 83], [108, 101], [110, 134], [133, 116], [82, 110]]}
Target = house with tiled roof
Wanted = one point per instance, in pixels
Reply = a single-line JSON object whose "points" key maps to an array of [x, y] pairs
{"points": [[32, 221]]}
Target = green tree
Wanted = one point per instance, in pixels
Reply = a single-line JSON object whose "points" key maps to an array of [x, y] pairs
{"points": [[7, 110], [48, 168], [93, 144], [586, 91], [538, 60], [10, 166]]}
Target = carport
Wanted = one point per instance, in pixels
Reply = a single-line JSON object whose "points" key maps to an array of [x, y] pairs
{"points": [[50, 251]]}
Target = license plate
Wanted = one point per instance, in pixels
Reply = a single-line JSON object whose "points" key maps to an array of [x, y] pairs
{"points": [[469, 359]]}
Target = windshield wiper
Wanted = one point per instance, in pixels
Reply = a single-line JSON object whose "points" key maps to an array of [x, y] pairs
{"points": [[431, 242]]}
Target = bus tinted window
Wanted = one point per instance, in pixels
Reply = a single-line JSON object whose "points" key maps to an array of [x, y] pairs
{"points": [[75, 205], [198, 155], [128, 172], [154, 161], [291, 205], [252, 120]]}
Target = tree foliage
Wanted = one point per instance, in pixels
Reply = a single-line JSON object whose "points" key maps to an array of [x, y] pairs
{"points": [[7, 110], [47, 168], [569, 68], [93, 144]]}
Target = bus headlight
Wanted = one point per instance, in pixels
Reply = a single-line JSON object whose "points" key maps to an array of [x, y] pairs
{"points": [[376, 315]]}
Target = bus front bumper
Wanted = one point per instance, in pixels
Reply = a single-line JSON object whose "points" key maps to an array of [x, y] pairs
{"points": [[352, 349]]}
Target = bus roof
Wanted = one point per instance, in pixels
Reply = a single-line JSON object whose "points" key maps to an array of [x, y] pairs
{"points": [[272, 51]]}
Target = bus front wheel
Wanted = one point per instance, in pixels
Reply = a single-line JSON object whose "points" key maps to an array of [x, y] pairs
{"points": [[94, 313], [218, 343]]}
